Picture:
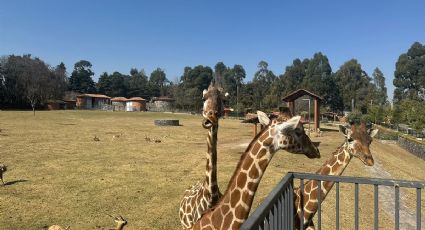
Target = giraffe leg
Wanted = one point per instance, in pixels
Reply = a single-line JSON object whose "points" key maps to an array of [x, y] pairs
{"points": [[1, 178]]}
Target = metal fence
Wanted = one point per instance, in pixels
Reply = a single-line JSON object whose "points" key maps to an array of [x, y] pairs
{"points": [[277, 210]]}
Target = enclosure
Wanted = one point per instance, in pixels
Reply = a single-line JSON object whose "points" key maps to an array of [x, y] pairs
{"points": [[58, 174], [277, 210]]}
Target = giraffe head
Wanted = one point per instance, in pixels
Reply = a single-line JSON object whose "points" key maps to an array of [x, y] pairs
{"points": [[289, 135], [213, 104], [358, 140]]}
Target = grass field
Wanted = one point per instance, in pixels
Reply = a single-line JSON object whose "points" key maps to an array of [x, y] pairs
{"points": [[57, 174]]}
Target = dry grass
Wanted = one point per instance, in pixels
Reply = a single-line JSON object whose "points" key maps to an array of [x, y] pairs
{"points": [[57, 174]]}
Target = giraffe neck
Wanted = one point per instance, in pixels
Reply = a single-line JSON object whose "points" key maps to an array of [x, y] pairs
{"points": [[233, 208], [211, 166], [337, 163], [333, 166]]}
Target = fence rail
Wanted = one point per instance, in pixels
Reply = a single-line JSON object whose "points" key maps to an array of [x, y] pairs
{"points": [[277, 210]]}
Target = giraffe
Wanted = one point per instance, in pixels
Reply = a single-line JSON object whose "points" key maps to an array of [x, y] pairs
{"points": [[3, 169], [357, 142], [234, 206], [204, 195]]}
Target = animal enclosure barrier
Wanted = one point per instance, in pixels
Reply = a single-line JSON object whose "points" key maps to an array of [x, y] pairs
{"points": [[277, 209]]}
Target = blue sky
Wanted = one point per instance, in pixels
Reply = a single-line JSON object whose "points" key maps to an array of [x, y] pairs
{"points": [[119, 35]]}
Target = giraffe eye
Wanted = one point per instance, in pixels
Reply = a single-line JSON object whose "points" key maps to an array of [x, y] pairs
{"points": [[350, 139]]}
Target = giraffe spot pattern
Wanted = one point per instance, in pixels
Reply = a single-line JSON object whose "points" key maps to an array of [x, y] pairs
{"points": [[268, 141], [241, 180], [235, 197], [247, 163], [261, 153], [253, 173]]}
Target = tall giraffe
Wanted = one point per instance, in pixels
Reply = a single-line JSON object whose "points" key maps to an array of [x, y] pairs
{"points": [[357, 142], [204, 195], [233, 208]]}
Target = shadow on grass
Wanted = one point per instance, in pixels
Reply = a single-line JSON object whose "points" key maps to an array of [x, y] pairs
{"points": [[14, 182], [66, 124]]}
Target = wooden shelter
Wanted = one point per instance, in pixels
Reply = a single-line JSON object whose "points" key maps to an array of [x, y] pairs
{"points": [[92, 101], [135, 104], [290, 99], [55, 104], [162, 104], [118, 103]]}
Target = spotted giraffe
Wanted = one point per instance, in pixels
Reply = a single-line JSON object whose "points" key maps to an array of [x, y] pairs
{"points": [[357, 142], [233, 208], [205, 194]]}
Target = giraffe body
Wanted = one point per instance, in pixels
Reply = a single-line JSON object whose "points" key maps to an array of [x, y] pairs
{"points": [[233, 208], [357, 143], [204, 195]]}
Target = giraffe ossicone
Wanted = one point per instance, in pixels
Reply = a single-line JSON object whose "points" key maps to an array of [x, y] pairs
{"points": [[234, 206]]}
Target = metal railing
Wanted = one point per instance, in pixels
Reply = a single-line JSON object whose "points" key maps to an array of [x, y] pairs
{"points": [[277, 210]]}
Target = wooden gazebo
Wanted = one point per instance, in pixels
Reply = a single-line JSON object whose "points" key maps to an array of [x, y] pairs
{"points": [[290, 99]]}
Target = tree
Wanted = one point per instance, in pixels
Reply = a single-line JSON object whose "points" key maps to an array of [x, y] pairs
{"points": [[411, 112], [81, 78], [138, 84], [219, 69], [193, 81], [262, 82], [104, 84], [239, 74], [380, 96], [30, 79], [353, 84], [157, 81], [294, 75], [409, 76]]}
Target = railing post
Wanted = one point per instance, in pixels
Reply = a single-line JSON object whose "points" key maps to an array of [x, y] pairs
{"points": [[356, 206], [397, 207], [302, 203], [418, 209], [319, 207], [337, 206], [376, 208], [291, 204]]}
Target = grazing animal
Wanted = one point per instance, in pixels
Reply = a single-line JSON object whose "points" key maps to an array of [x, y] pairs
{"points": [[233, 208], [96, 138], [121, 222], [3, 169], [205, 194], [116, 136], [356, 144], [148, 139]]}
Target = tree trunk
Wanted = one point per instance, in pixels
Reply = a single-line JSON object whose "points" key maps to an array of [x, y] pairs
{"points": [[33, 108]]}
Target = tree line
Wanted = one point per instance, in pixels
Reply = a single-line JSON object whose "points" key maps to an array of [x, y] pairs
{"points": [[28, 81]]}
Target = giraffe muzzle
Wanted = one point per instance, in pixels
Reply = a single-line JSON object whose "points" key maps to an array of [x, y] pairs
{"points": [[206, 123]]}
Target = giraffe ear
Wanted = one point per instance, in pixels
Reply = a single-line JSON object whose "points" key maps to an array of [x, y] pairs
{"points": [[204, 92], [290, 124], [374, 132], [343, 130], [263, 118]]}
